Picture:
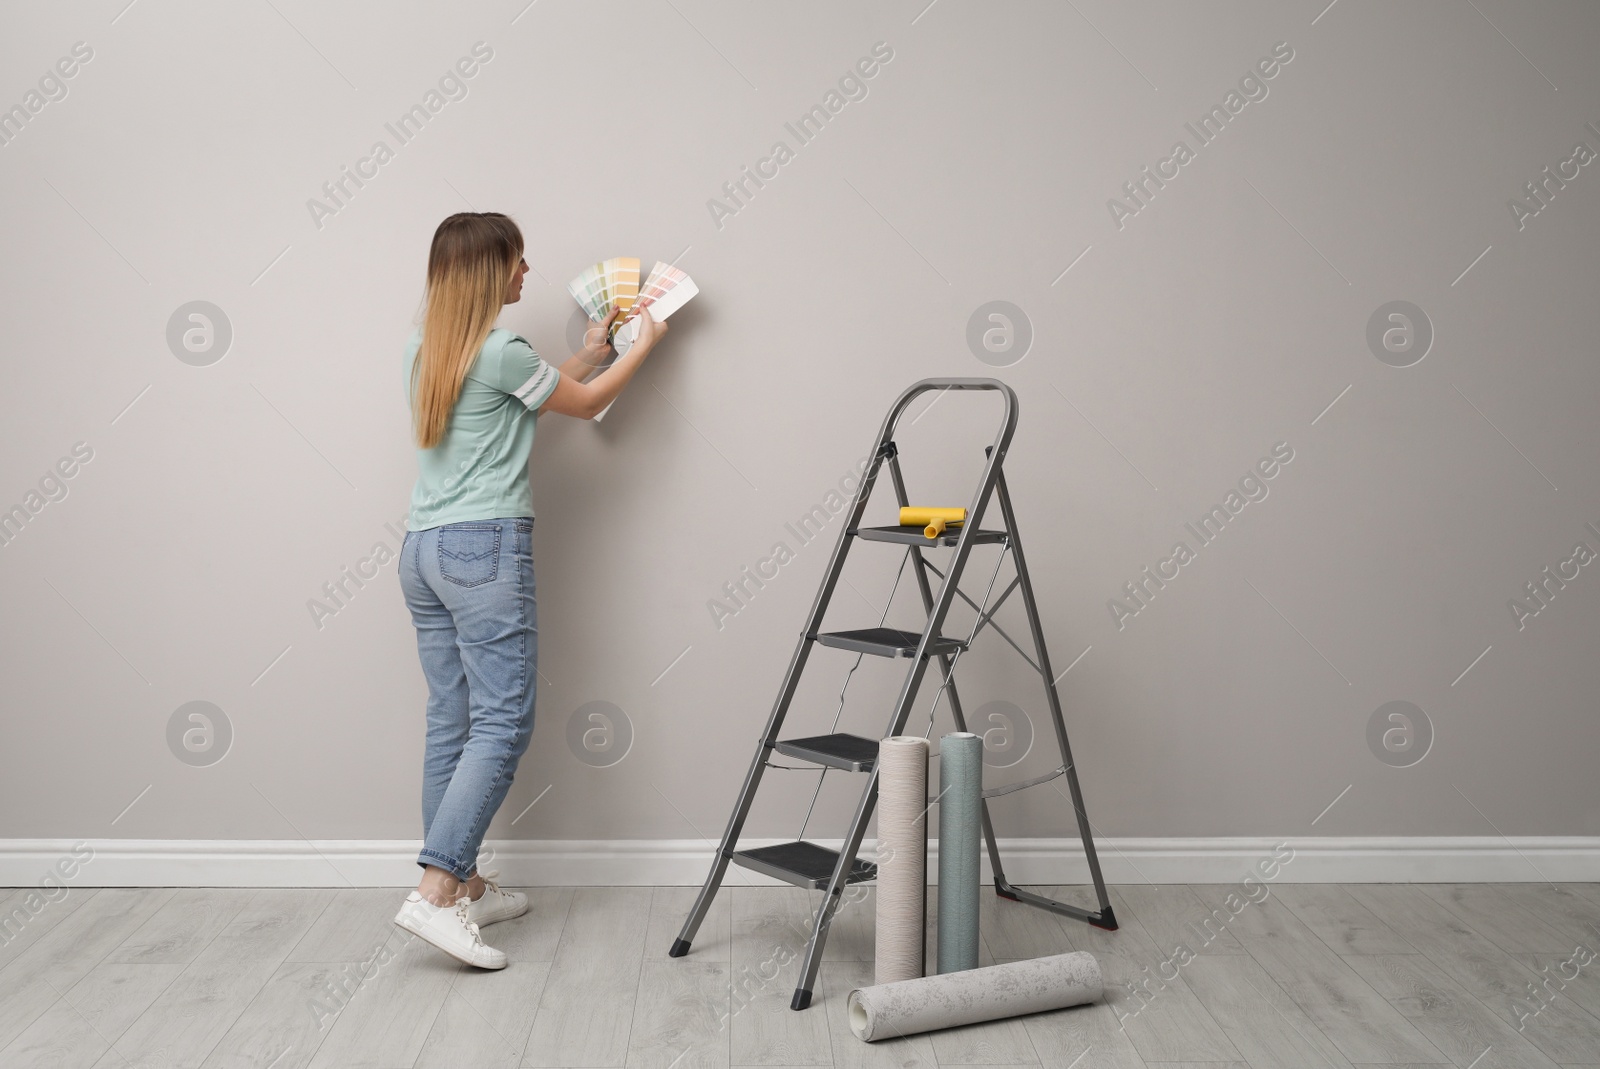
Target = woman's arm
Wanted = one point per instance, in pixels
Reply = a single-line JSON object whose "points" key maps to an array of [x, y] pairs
{"points": [[585, 400], [577, 367]]}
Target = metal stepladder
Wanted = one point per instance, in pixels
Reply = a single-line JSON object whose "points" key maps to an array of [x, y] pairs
{"points": [[807, 864]]}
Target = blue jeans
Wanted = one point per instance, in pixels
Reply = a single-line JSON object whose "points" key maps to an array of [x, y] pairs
{"points": [[470, 590]]}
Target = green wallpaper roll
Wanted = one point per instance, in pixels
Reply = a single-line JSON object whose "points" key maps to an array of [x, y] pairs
{"points": [[960, 834]]}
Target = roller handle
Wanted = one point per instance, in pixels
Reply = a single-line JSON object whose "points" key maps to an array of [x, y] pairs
{"points": [[932, 520]]}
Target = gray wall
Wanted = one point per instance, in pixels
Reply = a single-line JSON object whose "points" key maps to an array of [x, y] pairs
{"points": [[1172, 349]]}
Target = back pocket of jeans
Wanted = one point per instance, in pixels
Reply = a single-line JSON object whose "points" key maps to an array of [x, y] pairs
{"points": [[469, 556]]}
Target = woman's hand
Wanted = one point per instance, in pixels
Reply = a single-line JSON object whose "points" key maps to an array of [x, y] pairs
{"points": [[650, 329], [596, 340]]}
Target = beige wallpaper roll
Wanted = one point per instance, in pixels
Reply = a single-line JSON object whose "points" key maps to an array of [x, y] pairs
{"points": [[902, 857]]}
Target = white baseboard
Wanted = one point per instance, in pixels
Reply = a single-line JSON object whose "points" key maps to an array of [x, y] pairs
{"points": [[524, 863]]}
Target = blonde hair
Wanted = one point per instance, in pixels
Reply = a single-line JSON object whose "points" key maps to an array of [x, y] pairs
{"points": [[471, 262]]}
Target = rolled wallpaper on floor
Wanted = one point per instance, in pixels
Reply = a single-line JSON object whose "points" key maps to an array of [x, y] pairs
{"points": [[960, 832], [886, 1011], [902, 899]]}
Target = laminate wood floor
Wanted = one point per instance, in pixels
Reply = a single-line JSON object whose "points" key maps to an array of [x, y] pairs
{"points": [[1480, 976]]}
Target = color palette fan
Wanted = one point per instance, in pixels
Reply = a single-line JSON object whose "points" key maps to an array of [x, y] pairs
{"points": [[614, 283]]}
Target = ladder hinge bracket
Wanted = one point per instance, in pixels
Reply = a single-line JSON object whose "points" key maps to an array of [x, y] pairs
{"points": [[888, 450]]}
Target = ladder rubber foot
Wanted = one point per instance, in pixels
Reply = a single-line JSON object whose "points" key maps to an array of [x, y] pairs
{"points": [[1004, 891], [1105, 919], [680, 947], [802, 999]]}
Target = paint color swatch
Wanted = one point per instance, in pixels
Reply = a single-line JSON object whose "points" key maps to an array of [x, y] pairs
{"points": [[609, 284], [665, 290]]}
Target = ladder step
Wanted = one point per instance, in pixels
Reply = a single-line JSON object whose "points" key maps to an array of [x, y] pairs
{"points": [[913, 536], [885, 642], [850, 752], [801, 863]]}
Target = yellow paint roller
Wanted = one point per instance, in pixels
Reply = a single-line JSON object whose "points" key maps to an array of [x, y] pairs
{"points": [[932, 520]]}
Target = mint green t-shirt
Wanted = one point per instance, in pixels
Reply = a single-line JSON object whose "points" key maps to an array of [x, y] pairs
{"points": [[479, 470]]}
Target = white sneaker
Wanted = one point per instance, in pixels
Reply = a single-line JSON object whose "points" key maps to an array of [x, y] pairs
{"points": [[495, 905], [449, 929]]}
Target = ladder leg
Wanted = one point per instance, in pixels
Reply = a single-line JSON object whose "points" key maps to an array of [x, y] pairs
{"points": [[719, 863], [1105, 918], [869, 796], [858, 825], [832, 896], [752, 778]]}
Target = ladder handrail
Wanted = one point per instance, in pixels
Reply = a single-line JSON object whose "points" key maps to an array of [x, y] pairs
{"points": [[916, 389]]}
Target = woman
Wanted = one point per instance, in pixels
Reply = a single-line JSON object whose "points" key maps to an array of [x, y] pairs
{"points": [[466, 564]]}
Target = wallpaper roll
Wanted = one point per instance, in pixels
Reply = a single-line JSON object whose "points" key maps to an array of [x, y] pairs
{"points": [[886, 1011], [902, 908], [960, 831]]}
